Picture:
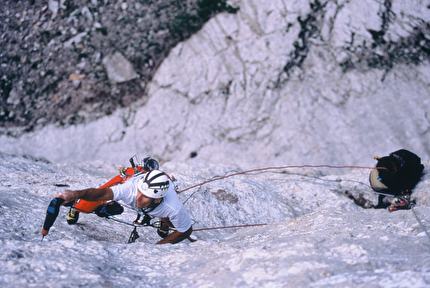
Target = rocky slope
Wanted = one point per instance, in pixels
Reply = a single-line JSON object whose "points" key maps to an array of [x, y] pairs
{"points": [[277, 82], [68, 62], [315, 235]]}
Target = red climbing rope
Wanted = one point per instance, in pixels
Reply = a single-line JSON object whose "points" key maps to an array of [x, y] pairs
{"points": [[277, 168], [264, 169]]}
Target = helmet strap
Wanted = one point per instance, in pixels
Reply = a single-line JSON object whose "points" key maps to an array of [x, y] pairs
{"points": [[151, 206]]}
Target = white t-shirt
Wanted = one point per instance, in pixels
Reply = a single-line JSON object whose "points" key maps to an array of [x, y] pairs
{"points": [[170, 206]]}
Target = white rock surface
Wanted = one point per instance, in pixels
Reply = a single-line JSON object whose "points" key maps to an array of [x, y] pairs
{"points": [[223, 94], [315, 235]]}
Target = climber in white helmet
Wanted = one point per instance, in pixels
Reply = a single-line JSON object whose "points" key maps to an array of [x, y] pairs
{"points": [[153, 195]]}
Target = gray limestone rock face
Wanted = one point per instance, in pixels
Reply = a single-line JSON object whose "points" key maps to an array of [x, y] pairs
{"points": [[278, 82]]}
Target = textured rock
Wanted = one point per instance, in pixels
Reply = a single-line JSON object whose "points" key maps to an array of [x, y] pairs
{"points": [[44, 42], [279, 82], [118, 68], [314, 234]]}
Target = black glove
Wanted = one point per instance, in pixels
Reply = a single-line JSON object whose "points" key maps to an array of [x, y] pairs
{"points": [[146, 221]]}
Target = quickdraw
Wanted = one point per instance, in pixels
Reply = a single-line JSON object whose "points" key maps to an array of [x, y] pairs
{"points": [[401, 203]]}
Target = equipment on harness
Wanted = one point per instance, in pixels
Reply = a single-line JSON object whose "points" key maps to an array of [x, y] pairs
{"points": [[150, 164], [133, 236], [163, 230], [395, 175], [146, 221], [154, 184], [401, 203]]}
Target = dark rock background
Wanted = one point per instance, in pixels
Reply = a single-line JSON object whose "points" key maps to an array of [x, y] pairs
{"points": [[52, 52]]}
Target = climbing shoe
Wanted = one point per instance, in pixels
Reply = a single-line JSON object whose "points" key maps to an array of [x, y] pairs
{"points": [[109, 209], [163, 230], [73, 216], [402, 203]]}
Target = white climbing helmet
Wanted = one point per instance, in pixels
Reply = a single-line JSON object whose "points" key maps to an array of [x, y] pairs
{"points": [[154, 184]]}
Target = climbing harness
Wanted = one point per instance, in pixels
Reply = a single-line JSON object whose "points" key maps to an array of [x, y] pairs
{"points": [[133, 236]]}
